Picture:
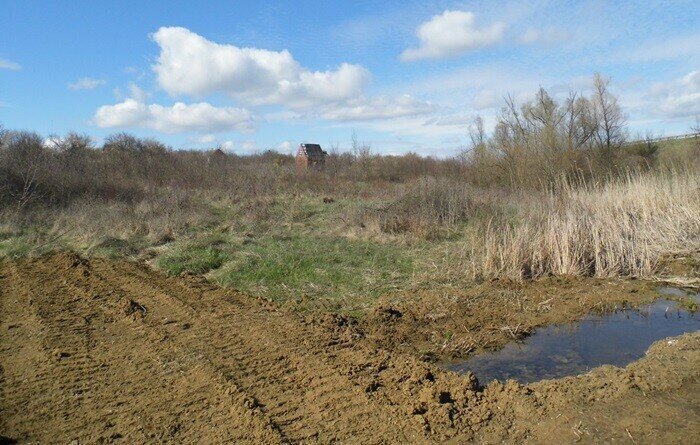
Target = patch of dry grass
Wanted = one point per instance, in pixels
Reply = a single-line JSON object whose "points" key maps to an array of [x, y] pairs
{"points": [[622, 227]]}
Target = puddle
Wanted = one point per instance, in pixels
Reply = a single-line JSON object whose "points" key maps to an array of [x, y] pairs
{"points": [[675, 292], [556, 351]]}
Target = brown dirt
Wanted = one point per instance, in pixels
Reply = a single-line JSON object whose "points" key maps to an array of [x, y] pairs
{"points": [[100, 352], [458, 322]]}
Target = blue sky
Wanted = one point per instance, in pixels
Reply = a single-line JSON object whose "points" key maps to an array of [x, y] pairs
{"points": [[404, 75]]}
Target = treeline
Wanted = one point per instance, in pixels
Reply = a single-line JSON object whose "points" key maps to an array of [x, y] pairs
{"points": [[543, 139], [534, 145], [60, 169]]}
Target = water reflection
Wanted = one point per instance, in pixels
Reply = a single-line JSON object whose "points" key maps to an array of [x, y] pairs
{"points": [[555, 351]]}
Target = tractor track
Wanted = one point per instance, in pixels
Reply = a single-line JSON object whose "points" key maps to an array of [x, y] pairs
{"points": [[98, 351]]}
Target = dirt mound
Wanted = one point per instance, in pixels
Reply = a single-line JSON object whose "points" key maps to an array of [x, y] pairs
{"points": [[100, 351]]}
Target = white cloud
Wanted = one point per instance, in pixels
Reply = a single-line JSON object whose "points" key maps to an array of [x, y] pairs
{"points": [[249, 146], [52, 142], [86, 83], [203, 139], [9, 65], [380, 107], [484, 99], [687, 46], [285, 146], [228, 146], [431, 128], [137, 93], [452, 34], [545, 36], [134, 92], [197, 117], [530, 36], [444, 124], [190, 64], [679, 97]]}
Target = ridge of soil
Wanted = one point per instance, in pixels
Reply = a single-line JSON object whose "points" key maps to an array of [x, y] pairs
{"points": [[98, 351]]}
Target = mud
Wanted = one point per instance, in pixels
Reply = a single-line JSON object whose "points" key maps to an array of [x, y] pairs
{"points": [[617, 338], [454, 323], [112, 352]]}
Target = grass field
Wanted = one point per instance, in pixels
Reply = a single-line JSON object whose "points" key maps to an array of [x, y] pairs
{"points": [[366, 225]]}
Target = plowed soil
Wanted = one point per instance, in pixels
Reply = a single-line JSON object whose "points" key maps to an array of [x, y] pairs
{"points": [[95, 351]]}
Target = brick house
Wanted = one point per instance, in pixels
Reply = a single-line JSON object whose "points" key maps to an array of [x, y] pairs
{"points": [[310, 156]]}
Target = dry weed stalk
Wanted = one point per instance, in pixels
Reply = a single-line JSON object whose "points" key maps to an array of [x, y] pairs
{"points": [[622, 227]]}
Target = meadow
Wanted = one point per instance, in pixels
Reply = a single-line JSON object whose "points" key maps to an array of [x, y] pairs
{"points": [[550, 192]]}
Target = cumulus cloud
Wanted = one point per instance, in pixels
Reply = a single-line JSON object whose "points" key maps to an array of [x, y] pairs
{"points": [[181, 117], [9, 65], [380, 107], [679, 97], [138, 93], [133, 92], [451, 34], [86, 83], [190, 64], [249, 146]]}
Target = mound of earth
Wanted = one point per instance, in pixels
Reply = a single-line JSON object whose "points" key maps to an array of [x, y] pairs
{"points": [[97, 351]]}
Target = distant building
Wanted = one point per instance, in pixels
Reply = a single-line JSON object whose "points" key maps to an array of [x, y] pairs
{"points": [[217, 156], [310, 156]]}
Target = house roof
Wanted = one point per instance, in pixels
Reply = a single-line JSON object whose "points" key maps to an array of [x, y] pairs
{"points": [[313, 150]]}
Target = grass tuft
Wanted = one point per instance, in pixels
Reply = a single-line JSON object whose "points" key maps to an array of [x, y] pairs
{"points": [[193, 258]]}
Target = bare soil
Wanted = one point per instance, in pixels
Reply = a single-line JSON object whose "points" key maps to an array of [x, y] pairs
{"points": [[459, 322], [97, 351]]}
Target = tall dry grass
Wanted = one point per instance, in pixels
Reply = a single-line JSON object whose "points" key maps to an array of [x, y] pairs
{"points": [[624, 226]]}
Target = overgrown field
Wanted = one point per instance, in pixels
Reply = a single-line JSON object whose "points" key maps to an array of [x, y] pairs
{"points": [[551, 192], [340, 245]]}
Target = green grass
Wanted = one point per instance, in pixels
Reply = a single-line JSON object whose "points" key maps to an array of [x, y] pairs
{"points": [[293, 249], [198, 257], [111, 247], [17, 247], [289, 249], [281, 268], [26, 244]]}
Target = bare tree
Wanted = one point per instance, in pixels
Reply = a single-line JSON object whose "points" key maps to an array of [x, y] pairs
{"points": [[577, 121], [477, 135], [512, 120], [696, 127], [25, 157], [476, 150], [362, 153], [609, 118]]}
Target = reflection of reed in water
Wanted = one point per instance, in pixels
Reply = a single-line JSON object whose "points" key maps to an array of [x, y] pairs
{"points": [[616, 338]]}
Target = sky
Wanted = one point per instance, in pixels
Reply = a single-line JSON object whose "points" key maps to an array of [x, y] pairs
{"points": [[404, 76]]}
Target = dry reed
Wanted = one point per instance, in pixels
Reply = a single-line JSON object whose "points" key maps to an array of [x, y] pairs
{"points": [[624, 226]]}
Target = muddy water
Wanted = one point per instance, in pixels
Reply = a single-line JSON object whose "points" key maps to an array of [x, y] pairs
{"points": [[617, 339]]}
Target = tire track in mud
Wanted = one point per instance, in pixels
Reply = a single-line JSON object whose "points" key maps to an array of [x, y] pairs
{"points": [[100, 352], [265, 352], [114, 384], [104, 326]]}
